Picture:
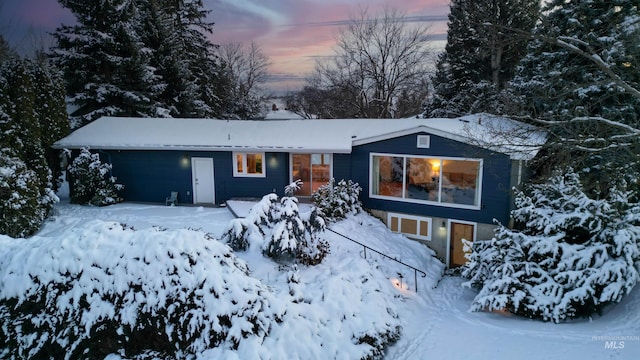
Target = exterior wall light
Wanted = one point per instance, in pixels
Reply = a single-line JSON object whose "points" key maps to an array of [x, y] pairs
{"points": [[184, 162]]}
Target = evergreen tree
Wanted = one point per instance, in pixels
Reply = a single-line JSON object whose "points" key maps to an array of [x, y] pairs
{"points": [[258, 223], [315, 248], [337, 200], [581, 78], [51, 112], [21, 213], [106, 65], [25, 179], [569, 255], [91, 182], [141, 58], [5, 49], [288, 233], [481, 54], [194, 84]]}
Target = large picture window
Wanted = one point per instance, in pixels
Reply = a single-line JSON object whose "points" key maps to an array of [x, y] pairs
{"points": [[426, 179], [248, 164]]}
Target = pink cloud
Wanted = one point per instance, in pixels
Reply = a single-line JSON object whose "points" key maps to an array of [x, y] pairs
{"points": [[313, 27], [291, 32]]}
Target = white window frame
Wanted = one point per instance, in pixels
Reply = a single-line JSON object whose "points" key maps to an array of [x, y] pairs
{"points": [[418, 219], [244, 173], [427, 202]]}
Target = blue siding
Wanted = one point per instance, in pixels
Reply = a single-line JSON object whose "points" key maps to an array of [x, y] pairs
{"points": [[227, 186], [342, 167], [495, 179], [149, 176]]}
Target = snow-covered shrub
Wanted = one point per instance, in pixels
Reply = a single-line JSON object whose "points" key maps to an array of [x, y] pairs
{"points": [[265, 212], [295, 291], [288, 232], [259, 221], [91, 183], [315, 248], [338, 200], [102, 288], [22, 206], [278, 228], [294, 236], [571, 255], [237, 234]]}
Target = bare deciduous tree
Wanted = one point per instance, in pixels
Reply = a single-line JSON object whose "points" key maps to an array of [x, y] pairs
{"points": [[376, 59], [249, 66]]}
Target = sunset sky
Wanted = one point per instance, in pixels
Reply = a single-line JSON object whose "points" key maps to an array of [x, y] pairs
{"points": [[293, 33]]}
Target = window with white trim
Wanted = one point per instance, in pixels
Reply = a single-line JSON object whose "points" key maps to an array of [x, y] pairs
{"points": [[445, 181], [413, 226], [248, 164]]}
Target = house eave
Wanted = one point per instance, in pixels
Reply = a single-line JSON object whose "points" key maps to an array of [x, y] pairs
{"points": [[513, 154], [282, 149]]}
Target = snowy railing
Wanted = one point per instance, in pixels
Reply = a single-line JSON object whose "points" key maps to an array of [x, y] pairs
{"points": [[415, 271]]}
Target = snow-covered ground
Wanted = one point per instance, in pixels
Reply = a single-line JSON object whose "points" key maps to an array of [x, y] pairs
{"points": [[435, 321]]}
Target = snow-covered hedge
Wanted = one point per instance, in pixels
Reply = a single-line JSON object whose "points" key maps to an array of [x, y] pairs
{"points": [[336, 201], [342, 310], [104, 288], [571, 256], [91, 183]]}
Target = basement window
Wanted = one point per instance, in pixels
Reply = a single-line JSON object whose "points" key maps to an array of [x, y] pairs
{"points": [[413, 226]]}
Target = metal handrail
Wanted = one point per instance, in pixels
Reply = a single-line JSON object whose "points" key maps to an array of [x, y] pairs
{"points": [[415, 271]]}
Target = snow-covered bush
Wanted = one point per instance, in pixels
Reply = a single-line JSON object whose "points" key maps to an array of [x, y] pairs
{"points": [[103, 288], [337, 200], [260, 219], [569, 257], [265, 212], [295, 236], [91, 183], [237, 234], [22, 206], [288, 232], [315, 248], [279, 230]]}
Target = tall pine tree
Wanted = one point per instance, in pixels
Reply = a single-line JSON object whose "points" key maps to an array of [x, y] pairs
{"points": [[569, 255], [106, 65], [26, 189], [481, 54], [182, 55], [581, 77], [51, 113], [140, 58]]}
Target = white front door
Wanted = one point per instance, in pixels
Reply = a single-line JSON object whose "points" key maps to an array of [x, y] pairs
{"points": [[203, 185]]}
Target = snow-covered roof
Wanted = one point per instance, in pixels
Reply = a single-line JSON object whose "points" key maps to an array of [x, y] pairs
{"points": [[317, 135]]}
